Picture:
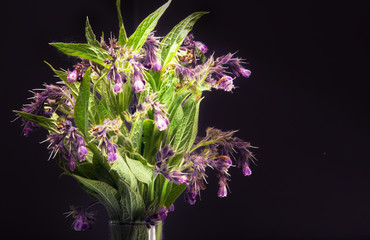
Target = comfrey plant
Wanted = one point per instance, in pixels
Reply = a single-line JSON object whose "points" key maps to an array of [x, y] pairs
{"points": [[123, 122]]}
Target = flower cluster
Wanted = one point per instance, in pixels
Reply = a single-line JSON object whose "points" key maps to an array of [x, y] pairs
{"points": [[99, 132], [124, 120], [216, 150], [68, 143], [82, 218], [45, 103], [162, 167]]}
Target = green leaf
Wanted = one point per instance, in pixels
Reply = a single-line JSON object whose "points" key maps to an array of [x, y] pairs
{"points": [[137, 133], [122, 37], [142, 172], [86, 170], [103, 192], [47, 123], [185, 132], [90, 36], [81, 112], [136, 40], [101, 167], [63, 76], [174, 193], [125, 174], [149, 78], [132, 203], [147, 137], [83, 50], [171, 43]]}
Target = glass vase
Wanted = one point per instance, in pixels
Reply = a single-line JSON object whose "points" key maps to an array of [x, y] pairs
{"points": [[134, 231]]}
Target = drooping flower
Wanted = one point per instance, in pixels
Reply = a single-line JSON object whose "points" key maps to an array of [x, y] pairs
{"points": [[225, 83], [161, 167], [203, 48], [69, 144], [164, 153], [82, 218], [150, 46], [72, 76], [156, 218], [45, 103], [137, 80], [197, 177], [77, 73], [117, 78], [161, 120], [99, 132], [222, 191]]}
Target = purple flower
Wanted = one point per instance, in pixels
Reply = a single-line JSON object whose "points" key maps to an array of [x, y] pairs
{"points": [[197, 176], [72, 76], [164, 153], [222, 191], [203, 48], [45, 103], [99, 132], [82, 153], [139, 86], [157, 217], [150, 46], [222, 164], [234, 64], [176, 176], [161, 120], [70, 149], [245, 156], [83, 218], [118, 87], [225, 83], [114, 76], [244, 72], [138, 81]]}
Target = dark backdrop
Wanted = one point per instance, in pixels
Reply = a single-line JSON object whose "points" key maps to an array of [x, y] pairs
{"points": [[306, 106]]}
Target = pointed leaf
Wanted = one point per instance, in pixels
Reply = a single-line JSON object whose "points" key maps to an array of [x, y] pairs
{"points": [[137, 133], [47, 123], [171, 43], [83, 50], [174, 193], [90, 36], [132, 203], [147, 138], [142, 173], [122, 37], [121, 168], [136, 40], [103, 192], [81, 112], [185, 131]]}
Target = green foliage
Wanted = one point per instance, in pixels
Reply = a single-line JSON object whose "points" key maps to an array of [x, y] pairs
{"points": [[90, 36], [131, 185], [81, 113], [172, 41], [103, 192], [188, 125], [122, 37], [83, 50], [63, 76], [47, 123], [136, 40]]}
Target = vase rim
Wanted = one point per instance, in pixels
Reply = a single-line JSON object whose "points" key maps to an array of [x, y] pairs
{"points": [[130, 223]]}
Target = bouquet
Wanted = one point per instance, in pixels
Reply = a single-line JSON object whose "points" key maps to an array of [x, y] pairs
{"points": [[124, 123]]}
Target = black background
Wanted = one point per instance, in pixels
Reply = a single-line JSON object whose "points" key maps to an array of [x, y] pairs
{"points": [[306, 106]]}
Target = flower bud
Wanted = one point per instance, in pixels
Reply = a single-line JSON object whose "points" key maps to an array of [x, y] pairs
{"points": [[72, 76]]}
